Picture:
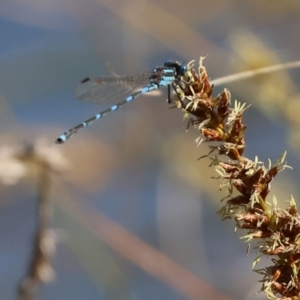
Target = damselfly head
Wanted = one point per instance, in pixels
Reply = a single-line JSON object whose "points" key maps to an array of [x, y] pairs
{"points": [[181, 69]]}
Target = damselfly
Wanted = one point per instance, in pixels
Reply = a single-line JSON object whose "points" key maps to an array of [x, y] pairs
{"points": [[106, 89]]}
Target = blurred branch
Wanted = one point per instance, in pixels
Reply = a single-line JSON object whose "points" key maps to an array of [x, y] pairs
{"points": [[141, 254], [39, 269]]}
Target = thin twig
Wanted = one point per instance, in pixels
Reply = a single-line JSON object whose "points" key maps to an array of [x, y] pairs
{"points": [[253, 73]]}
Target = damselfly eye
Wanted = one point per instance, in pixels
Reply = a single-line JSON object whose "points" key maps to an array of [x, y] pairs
{"points": [[183, 70], [180, 68]]}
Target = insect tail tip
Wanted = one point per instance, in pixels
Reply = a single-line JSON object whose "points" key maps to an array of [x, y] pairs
{"points": [[60, 140]]}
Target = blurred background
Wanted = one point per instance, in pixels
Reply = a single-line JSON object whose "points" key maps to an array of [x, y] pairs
{"points": [[135, 208]]}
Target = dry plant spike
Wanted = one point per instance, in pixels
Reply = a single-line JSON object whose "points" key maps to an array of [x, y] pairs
{"points": [[278, 229]]}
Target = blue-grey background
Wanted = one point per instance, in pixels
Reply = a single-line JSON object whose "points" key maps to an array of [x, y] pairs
{"points": [[138, 166]]}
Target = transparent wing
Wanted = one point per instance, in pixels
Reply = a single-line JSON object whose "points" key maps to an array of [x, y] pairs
{"points": [[110, 89]]}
